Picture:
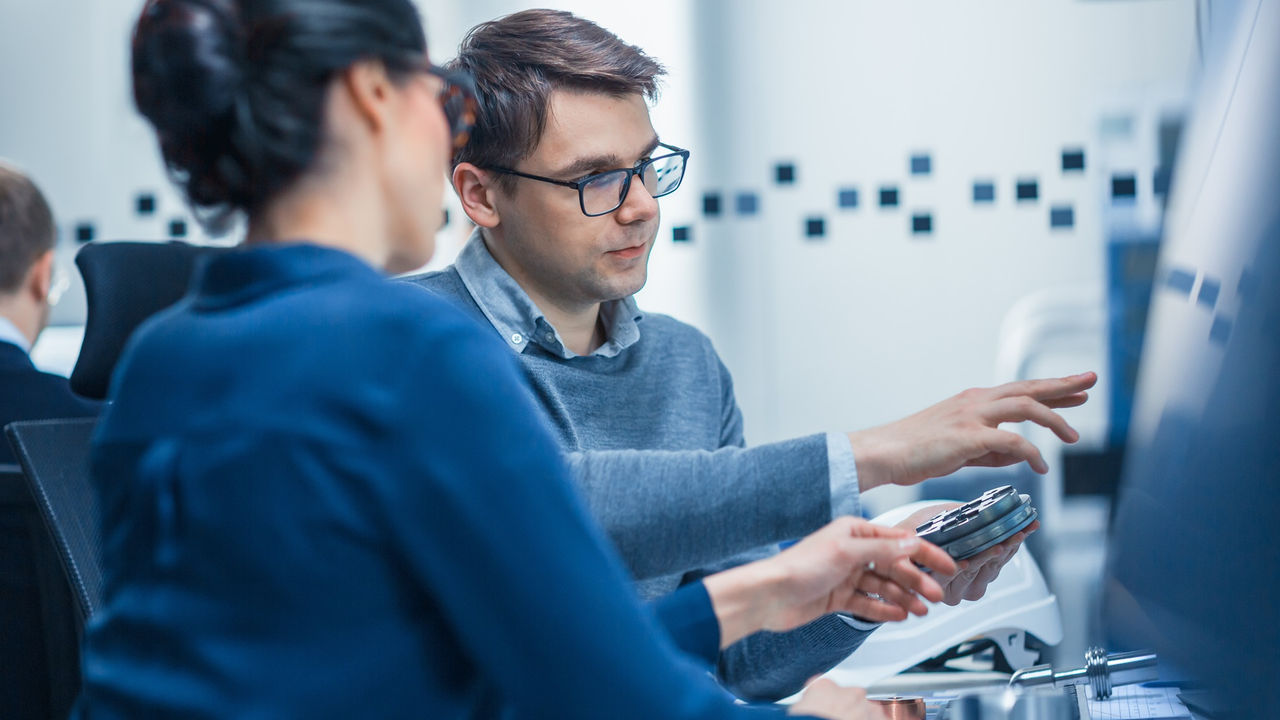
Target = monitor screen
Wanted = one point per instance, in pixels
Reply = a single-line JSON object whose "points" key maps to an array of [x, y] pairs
{"points": [[1194, 563]]}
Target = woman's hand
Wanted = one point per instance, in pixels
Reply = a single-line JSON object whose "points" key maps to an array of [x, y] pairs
{"points": [[825, 699], [850, 566]]}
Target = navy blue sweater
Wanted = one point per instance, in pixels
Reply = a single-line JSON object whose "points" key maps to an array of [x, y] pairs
{"points": [[328, 495]]}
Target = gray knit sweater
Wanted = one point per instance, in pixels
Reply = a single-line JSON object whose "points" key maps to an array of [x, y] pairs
{"points": [[655, 439]]}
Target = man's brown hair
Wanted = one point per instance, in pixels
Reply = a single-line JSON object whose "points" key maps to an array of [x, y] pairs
{"points": [[26, 227], [518, 60]]}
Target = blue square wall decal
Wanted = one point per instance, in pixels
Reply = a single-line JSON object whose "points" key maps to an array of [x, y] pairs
{"points": [[1208, 295], [1123, 186], [1027, 190], [984, 192], [1160, 181], [1062, 217], [921, 224], [784, 173], [921, 164], [747, 203], [177, 228], [1072, 160], [889, 196], [145, 204], [815, 227], [711, 205], [680, 234], [847, 198], [84, 232]]}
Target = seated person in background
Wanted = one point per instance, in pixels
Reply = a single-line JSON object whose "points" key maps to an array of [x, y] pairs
{"points": [[27, 236], [560, 176], [298, 522]]}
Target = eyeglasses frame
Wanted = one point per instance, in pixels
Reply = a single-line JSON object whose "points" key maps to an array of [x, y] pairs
{"points": [[583, 181]]}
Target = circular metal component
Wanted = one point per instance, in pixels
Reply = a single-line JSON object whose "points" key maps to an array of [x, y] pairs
{"points": [[901, 708], [1095, 663], [989, 519]]}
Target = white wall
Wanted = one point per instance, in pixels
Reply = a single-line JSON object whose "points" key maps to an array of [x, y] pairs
{"points": [[862, 327], [871, 322]]}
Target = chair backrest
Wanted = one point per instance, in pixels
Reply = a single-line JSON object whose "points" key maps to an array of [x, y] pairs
{"points": [[13, 488], [54, 455], [125, 283]]}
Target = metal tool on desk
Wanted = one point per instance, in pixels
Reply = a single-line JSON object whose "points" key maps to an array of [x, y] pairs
{"points": [[1012, 703], [1101, 672]]}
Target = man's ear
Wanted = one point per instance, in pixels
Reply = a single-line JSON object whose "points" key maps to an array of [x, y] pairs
{"points": [[476, 189], [40, 276]]}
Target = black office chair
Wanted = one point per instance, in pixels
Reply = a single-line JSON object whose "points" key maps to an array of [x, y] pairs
{"points": [[125, 283], [24, 674]]}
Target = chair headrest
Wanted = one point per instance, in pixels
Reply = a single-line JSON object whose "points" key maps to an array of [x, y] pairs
{"points": [[125, 283]]}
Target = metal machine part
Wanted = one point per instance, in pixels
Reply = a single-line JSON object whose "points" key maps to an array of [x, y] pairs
{"points": [[1012, 704], [985, 521], [1101, 672], [901, 708]]}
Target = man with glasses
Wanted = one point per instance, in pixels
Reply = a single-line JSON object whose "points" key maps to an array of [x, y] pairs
{"points": [[561, 177]]}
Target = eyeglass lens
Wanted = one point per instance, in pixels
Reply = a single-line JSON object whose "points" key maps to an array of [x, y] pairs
{"points": [[605, 193]]}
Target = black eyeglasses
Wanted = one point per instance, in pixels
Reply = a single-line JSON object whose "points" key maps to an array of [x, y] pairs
{"points": [[602, 193], [458, 99]]}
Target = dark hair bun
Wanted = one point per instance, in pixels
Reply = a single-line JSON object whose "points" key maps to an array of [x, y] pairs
{"points": [[188, 78], [236, 89]]}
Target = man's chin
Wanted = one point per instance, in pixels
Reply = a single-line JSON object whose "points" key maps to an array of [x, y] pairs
{"points": [[618, 288]]}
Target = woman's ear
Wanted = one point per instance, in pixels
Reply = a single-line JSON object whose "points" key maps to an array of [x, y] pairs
{"points": [[476, 190], [369, 88]]}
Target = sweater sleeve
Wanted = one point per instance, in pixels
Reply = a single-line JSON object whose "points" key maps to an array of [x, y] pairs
{"points": [[479, 505], [683, 509]]}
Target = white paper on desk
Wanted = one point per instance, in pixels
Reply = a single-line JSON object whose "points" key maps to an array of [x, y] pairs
{"points": [[1135, 702]]}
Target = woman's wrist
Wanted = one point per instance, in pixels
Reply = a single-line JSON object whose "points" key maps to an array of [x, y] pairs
{"points": [[744, 598]]}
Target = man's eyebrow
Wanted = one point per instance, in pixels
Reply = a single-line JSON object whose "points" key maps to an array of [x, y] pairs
{"points": [[584, 165]]}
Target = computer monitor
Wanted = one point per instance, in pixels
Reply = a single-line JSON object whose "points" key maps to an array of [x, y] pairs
{"points": [[1194, 565]]}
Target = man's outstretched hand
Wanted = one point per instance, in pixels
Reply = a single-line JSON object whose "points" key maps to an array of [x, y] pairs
{"points": [[964, 430]]}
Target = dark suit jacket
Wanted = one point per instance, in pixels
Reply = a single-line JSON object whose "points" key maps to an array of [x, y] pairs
{"points": [[27, 394]]}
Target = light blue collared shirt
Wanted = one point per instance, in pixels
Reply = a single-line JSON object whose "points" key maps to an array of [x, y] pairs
{"points": [[11, 334], [515, 316]]}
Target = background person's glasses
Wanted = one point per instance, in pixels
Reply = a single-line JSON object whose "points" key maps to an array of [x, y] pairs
{"points": [[602, 193]]}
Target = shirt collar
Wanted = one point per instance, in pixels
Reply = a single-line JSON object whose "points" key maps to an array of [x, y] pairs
{"points": [[11, 334], [245, 274], [515, 316]]}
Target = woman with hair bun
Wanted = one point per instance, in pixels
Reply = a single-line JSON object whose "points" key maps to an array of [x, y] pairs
{"points": [[328, 495]]}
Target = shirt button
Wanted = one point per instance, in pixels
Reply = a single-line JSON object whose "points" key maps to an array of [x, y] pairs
{"points": [[549, 337], [516, 338]]}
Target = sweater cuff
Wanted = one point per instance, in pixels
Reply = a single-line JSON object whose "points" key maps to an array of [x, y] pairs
{"points": [[690, 622], [858, 623], [843, 471]]}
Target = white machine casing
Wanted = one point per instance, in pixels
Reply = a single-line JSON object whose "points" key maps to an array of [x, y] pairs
{"points": [[1017, 602]]}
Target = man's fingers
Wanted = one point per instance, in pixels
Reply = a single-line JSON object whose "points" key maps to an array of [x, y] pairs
{"points": [[1018, 409], [1067, 401], [1007, 443], [1047, 389]]}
